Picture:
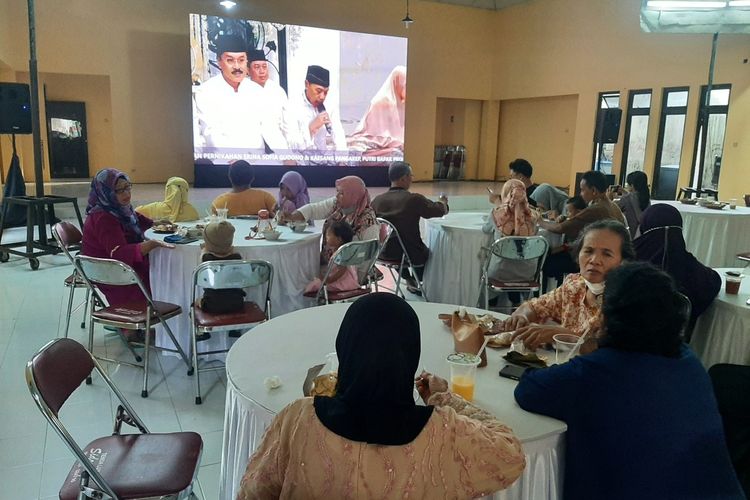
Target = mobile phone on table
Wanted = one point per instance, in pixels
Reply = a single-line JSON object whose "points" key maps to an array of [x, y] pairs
{"points": [[734, 273], [513, 372]]}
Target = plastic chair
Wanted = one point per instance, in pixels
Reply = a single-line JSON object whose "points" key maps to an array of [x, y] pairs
{"points": [[361, 254], [140, 465], [397, 266], [68, 238], [516, 248], [220, 275], [136, 315]]}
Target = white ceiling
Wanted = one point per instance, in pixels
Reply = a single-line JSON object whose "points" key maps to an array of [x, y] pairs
{"points": [[482, 4]]}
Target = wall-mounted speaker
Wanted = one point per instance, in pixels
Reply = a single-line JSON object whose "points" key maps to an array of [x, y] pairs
{"points": [[607, 125], [15, 108]]}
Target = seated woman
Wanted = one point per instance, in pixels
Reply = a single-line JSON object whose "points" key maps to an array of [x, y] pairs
{"points": [[114, 231], [575, 306], [371, 435], [642, 418], [175, 206], [351, 204], [635, 201], [661, 243], [511, 217], [242, 199], [550, 198], [292, 192]]}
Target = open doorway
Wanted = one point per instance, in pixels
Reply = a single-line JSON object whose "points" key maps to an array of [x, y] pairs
{"points": [[68, 140]]}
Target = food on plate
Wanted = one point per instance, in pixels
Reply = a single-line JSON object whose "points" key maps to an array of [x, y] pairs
{"points": [[324, 385]]}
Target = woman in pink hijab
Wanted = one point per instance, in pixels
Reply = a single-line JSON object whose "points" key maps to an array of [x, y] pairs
{"points": [[381, 130], [351, 204], [511, 217]]}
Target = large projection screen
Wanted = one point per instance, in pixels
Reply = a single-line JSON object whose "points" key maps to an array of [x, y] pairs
{"points": [[295, 96]]}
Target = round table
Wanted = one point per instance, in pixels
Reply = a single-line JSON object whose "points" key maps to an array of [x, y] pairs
{"points": [[295, 258], [289, 345], [715, 237], [722, 332], [457, 253]]}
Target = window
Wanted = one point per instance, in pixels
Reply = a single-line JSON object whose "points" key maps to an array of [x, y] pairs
{"points": [[669, 145], [636, 132], [707, 160], [603, 157]]}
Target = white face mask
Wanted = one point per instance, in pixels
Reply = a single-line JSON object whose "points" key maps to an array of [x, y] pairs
{"points": [[595, 288]]}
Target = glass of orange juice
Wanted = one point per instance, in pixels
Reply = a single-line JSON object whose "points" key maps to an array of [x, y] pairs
{"points": [[463, 374]]}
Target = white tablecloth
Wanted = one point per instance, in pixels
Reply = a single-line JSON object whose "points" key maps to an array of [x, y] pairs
{"points": [[452, 273], [722, 332], [287, 346], [295, 258], [715, 237]]}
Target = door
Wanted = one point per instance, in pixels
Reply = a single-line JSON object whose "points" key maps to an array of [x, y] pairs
{"points": [[67, 139]]}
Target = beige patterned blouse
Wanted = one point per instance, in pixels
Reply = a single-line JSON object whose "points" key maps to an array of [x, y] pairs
{"points": [[567, 306], [462, 452]]}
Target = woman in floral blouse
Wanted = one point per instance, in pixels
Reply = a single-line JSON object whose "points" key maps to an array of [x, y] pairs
{"points": [[575, 307]]}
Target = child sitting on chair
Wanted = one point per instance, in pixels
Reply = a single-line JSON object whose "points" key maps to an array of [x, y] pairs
{"points": [[341, 278], [218, 238]]}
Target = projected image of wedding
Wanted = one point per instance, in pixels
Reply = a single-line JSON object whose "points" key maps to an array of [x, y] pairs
{"points": [[275, 94]]}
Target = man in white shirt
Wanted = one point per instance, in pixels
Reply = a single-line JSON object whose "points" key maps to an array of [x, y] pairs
{"points": [[273, 99], [317, 128], [227, 105]]}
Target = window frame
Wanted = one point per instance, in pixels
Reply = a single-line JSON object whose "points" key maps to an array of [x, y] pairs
{"points": [[633, 111]]}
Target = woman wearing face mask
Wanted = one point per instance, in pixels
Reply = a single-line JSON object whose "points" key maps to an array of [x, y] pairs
{"points": [[575, 307]]}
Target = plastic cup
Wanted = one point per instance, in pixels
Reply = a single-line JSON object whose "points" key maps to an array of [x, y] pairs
{"points": [[463, 374], [222, 213], [733, 284], [566, 347], [733, 203]]}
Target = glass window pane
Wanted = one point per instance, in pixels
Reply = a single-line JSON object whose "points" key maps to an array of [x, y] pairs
{"points": [[637, 143], [715, 145], [610, 101], [719, 97], [605, 161], [642, 100], [674, 127], [677, 99]]}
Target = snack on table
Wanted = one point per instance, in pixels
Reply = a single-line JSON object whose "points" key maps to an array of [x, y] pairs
{"points": [[324, 385]]}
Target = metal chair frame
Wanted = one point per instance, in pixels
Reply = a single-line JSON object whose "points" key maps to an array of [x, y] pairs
{"points": [[113, 272], [391, 231], [75, 279], [354, 253], [100, 489], [507, 247], [223, 274]]}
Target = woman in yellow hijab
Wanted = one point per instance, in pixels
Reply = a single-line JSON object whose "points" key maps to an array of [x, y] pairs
{"points": [[175, 206]]}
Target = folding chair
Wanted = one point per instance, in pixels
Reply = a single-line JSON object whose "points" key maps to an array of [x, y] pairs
{"points": [[393, 266], [136, 315], [361, 254], [219, 275], [514, 248], [120, 466], [68, 238]]}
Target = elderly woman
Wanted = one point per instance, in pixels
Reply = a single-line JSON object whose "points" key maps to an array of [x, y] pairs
{"points": [[175, 206], [351, 204], [661, 243], [113, 230], [575, 306], [242, 199], [370, 438], [642, 383], [635, 201], [292, 192]]}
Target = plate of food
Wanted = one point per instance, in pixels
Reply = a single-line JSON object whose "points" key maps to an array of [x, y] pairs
{"points": [[165, 228], [716, 205], [689, 201]]}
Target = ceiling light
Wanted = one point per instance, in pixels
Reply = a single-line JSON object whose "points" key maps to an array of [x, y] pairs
{"points": [[685, 4], [227, 4], [408, 21], [739, 3]]}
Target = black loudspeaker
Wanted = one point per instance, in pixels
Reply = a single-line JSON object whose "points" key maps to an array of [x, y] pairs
{"points": [[15, 108], [607, 125]]}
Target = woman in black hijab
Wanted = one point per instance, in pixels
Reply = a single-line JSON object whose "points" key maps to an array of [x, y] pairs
{"points": [[662, 244], [370, 438]]}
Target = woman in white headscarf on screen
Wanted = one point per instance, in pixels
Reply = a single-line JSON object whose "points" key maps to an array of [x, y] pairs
{"points": [[381, 130]]}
